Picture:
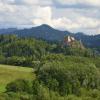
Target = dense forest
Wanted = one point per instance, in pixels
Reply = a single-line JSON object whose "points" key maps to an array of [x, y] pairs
{"points": [[62, 72]]}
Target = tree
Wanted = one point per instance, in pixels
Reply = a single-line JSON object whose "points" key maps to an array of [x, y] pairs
{"points": [[19, 86]]}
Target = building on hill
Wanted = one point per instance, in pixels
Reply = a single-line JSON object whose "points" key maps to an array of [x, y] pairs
{"points": [[72, 42], [68, 40]]}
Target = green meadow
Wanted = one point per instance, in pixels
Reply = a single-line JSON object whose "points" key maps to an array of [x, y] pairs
{"points": [[11, 73]]}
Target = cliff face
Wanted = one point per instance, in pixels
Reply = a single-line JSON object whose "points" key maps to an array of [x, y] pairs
{"points": [[72, 42]]}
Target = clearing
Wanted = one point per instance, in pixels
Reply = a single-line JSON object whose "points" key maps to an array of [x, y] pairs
{"points": [[10, 73]]}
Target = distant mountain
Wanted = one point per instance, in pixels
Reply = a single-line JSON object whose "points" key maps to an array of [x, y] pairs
{"points": [[89, 41], [6, 31], [48, 33], [44, 32]]}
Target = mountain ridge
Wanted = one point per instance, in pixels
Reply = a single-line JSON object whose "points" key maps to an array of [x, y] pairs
{"points": [[51, 34]]}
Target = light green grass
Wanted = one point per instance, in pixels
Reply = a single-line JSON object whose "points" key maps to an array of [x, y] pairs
{"points": [[11, 73]]}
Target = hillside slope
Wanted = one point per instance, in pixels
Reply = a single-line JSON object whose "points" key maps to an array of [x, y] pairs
{"points": [[11, 73]]}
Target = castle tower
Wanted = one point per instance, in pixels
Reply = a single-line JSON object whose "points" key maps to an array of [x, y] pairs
{"points": [[68, 40]]}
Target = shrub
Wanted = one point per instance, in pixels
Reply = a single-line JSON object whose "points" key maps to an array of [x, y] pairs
{"points": [[19, 86]]}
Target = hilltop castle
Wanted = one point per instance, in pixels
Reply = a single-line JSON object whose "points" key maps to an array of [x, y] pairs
{"points": [[68, 40], [72, 42]]}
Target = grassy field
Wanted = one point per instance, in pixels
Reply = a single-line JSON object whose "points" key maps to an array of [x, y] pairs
{"points": [[11, 73]]}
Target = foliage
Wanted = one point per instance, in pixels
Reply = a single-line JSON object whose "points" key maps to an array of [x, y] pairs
{"points": [[24, 51], [68, 77], [62, 73], [19, 86]]}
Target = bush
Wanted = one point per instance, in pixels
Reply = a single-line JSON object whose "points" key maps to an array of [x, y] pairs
{"points": [[19, 86]]}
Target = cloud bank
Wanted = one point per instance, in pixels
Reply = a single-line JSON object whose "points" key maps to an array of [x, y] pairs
{"points": [[72, 15]]}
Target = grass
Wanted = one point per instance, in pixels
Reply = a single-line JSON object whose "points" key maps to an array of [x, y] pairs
{"points": [[11, 73]]}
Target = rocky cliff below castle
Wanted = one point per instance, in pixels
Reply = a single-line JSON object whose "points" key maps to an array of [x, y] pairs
{"points": [[72, 42]]}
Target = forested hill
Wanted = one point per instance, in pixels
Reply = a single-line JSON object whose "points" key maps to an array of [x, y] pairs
{"points": [[22, 51], [66, 71], [90, 41], [60, 72], [48, 33], [45, 32]]}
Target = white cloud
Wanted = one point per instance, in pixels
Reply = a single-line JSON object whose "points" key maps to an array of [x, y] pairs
{"points": [[23, 2], [44, 15], [92, 2], [87, 2], [7, 1], [27, 2], [86, 22], [97, 31], [6, 8]]}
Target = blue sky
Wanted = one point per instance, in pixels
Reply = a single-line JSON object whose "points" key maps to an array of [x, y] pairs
{"points": [[72, 15]]}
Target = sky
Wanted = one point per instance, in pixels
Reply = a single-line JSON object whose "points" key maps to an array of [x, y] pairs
{"points": [[71, 15]]}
